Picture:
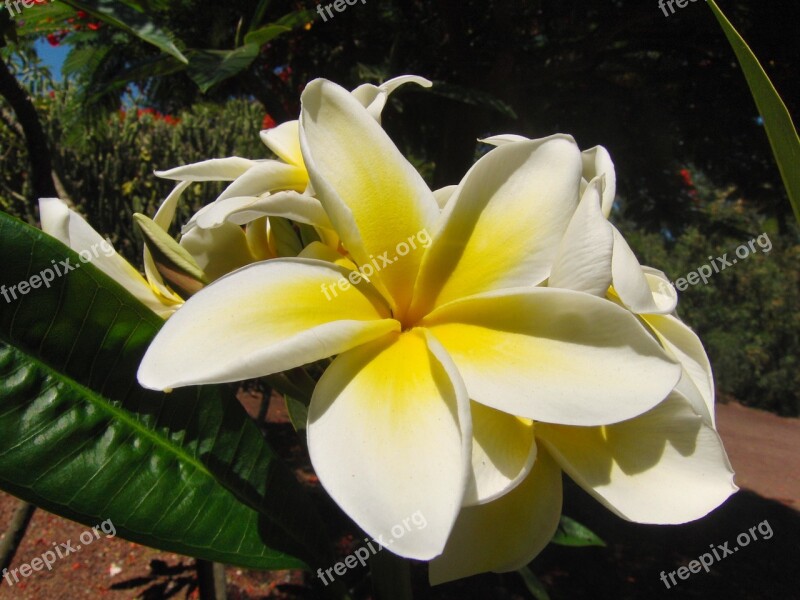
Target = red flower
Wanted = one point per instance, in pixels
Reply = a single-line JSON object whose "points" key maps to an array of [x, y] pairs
{"points": [[53, 40], [93, 26], [686, 176], [268, 122]]}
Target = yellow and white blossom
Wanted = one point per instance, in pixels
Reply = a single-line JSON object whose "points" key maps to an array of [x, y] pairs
{"points": [[444, 354]]}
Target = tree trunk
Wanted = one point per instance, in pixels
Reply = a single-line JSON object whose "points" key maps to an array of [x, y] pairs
{"points": [[41, 173]]}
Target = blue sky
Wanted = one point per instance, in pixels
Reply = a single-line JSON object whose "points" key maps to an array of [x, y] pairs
{"points": [[53, 57]]}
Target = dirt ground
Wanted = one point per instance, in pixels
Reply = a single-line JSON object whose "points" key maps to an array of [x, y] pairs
{"points": [[764, 450]]}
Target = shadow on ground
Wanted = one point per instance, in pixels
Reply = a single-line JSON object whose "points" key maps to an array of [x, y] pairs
{"points": [[630, 567]]}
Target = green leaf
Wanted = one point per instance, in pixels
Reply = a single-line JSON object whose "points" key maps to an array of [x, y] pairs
{"points": [[777, 121], [128, 17], [265, 34], [572, 533], [258, 14], [209, 67], [44, 19], [534, 585], [187, 472], [298, 413]]}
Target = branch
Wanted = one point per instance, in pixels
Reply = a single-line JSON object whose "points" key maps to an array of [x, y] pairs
{"points": [[35, 137]]}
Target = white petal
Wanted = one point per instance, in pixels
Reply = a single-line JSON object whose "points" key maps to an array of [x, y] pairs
{"points": [[374, 197], [555, 355], [503, 452], [72, 230], [217, 169], [503, 225], [504, 535], [502, 140], [374, 98], [243, 210], [629, 280], [683, 344], [584, 255], [266, 318], [597, 163], [218, 251], [284, 141], [664, 294], [267, 176], [389, 437], [665, 466], [444, 194]]}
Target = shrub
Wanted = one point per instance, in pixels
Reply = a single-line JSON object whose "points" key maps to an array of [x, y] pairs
{"points": [[747, 314]]}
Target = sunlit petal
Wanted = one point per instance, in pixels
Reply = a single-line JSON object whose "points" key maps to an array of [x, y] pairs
{"points": [[284, 141], [629, 280], [597, 163], [242, 210], [267, 176], [583, 262], [444, 195], [555, 355], [374, 98], [503, 225], [361, 177], [389, 436], [217, 169], [263, 319]]}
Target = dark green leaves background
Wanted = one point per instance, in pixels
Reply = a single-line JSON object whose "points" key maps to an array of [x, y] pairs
{"points": [[187, 472]]}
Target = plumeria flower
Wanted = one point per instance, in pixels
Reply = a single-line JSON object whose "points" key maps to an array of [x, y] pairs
{"points": [[72, 230], [665, 466], [275, 187], [431, 348], [595, 258]]}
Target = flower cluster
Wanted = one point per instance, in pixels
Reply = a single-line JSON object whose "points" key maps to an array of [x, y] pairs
{"points": [[79, 22], [152, 113], [524, 341]]}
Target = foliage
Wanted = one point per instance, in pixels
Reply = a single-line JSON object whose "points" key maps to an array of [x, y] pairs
{"points": [[747, 315], [108, 168], [777, 121], [68, 361]]}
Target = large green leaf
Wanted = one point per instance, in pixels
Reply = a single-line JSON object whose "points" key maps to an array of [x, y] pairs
{"points": [[777, 121], [129, 17], [187, 472]]}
